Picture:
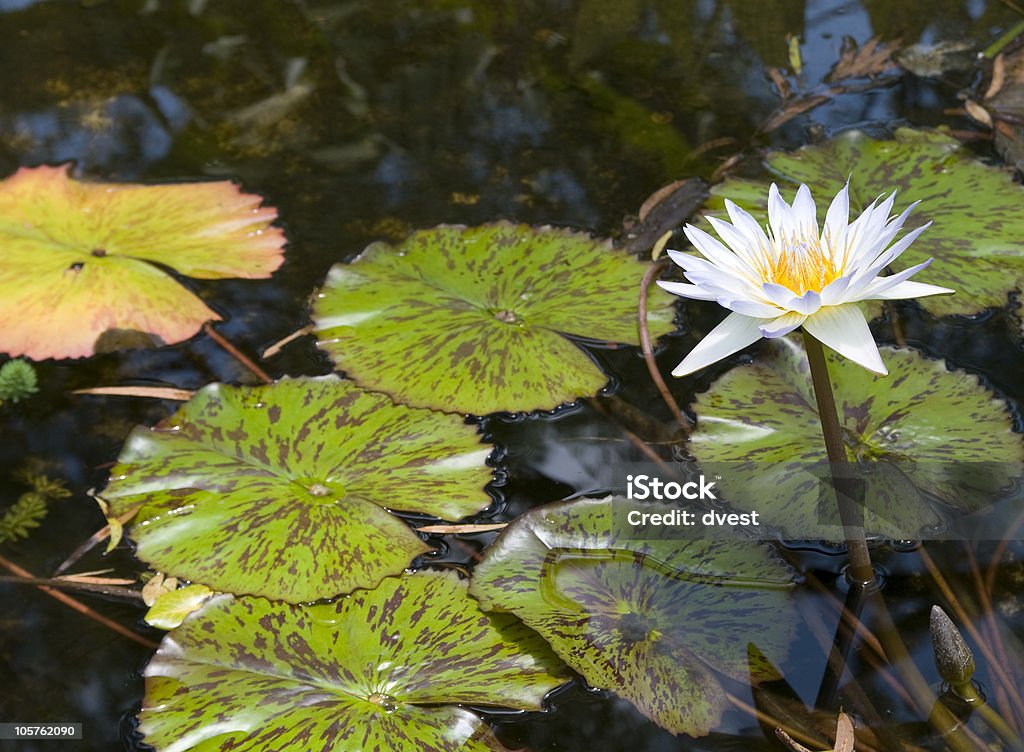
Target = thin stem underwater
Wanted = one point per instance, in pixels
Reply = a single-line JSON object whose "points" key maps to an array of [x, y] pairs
{"points": [[862, 574], [861, 571]]}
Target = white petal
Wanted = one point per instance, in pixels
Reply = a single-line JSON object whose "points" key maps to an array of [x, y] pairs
{"points": [[835, 291], [785, 298], [864, 276], [689, 262], [751, 308], [687, 291], [881, 284], [836, 221], [906, 290], [713, 250], [732, 335], [844, 329], [782, 325], [744, 247], [779, 213], [730, 285], [746, 224], [805, 213]]}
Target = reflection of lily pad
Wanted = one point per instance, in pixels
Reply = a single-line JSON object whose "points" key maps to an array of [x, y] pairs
{"points": [[473, 320], [922, 428], [976, 211], [654, 620], [377, 670], [83, 259], [282, 490]]}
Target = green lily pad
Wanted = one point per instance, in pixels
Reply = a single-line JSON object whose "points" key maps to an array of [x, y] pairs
{"points": [[283, 490], [923, 429], [976, 211], [377, 670], [656, 621], [475, 320], [81, 261]]}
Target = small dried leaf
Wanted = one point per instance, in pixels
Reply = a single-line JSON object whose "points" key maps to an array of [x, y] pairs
{"points": [[998, 76], [153, 589], [156, 392], [978, 113], [872, 59], [172, 606], [845, 738]]}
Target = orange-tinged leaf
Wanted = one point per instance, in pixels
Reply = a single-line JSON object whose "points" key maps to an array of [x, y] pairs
{"points": [[80, 259]]}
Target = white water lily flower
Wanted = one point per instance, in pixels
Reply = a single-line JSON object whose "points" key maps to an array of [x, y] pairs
{"points": [[790, 276]]}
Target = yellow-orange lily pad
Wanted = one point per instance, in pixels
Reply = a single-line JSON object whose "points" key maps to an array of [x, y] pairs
{"points": [[80, 260]]}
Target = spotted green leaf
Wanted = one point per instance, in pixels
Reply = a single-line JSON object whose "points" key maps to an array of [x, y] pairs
{"points": [[377, 671], [657, 620], [283, 490], [475, 320], [82, 262], [922, 430], [976, 211]]}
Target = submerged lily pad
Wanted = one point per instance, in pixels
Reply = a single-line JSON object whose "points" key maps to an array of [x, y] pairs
{"points": [[377, 670], [656, 621], [476, 320], [283, 490], [922, 429], [976, 211], [82, 260]]}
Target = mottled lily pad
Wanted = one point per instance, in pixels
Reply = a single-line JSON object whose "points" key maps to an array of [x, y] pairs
{"points": [[657, 621], [976, 211], [377, 670], [923, 430], [81, 261], [476, 320], [283, 490]]}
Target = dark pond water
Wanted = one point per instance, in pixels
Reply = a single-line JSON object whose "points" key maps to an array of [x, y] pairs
{"points": [[361, 121]]}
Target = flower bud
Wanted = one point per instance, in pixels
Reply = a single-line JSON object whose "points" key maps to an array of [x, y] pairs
{"points": [[953, 657]]}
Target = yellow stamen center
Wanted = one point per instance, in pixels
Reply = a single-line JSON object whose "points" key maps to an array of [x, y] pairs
{"points": [[799, 263]]}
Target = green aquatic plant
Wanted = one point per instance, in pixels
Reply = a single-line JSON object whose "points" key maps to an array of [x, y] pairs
{"points": [[22, 517], [925, 430], [292, 485], [28, 511], [658, 620], [389, 669], [18, 380], [482, 319]]}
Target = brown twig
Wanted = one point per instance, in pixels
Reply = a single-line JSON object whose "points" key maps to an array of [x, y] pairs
{"points": [[648, 349], [99, 536], [999, 552], [991, 625], [894, 322], [78, 606], [237, 354], [275, 348], [154, 392], [632, 437], [775, 723]]}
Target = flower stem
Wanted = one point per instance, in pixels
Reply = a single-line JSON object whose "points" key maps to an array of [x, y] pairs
{"points": [[861, 572], [850, 512]]}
